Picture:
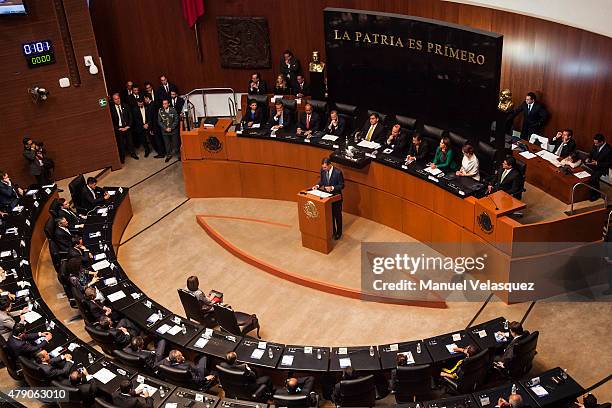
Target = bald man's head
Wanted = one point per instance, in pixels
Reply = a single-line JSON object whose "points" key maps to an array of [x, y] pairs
{"points": [[516, 401], [292, 384]]}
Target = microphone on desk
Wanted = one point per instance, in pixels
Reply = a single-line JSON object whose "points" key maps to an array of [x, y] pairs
{"points": [[493, 201]]}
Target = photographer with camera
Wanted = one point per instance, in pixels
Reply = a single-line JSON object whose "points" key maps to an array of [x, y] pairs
{"points": [[40, 167]]}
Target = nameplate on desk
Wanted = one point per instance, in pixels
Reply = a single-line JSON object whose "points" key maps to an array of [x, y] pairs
{"points": [[36, 204], [272, 135], [287, 360], [336, 146], [461, 192], [306, 140], [95, 234], [370, 155], [393, 347], [307, 350], [434, 179], [27, 222]]}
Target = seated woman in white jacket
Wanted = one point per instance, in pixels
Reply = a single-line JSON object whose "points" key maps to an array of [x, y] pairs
{"points": [[469, 164]]}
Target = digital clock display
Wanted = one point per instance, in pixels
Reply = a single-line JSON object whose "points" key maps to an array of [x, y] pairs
{"points": [[38, 53]]}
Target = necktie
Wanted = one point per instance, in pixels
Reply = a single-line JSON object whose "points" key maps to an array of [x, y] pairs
{"points": [[166, 88], [504, 174], [369, 134], [120, 114], [529, 108], [308, 121]]}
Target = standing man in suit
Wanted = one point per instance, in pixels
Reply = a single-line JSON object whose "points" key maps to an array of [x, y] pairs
{"points": [[309, 121], [153, 94], [280, 118], [54, 367], [62, 235], [153, 129], [302, 88], [35, 159], [257, 86], [335, 124], [332, 181], [253, 115], [507, 178], [516, 332], [534, 116], [9, 193], [142, 124], [176, 102], [92, 195], [564, 143], [372, 130], [168, 120], [599, 162], [126, 397], [165, 88], [122, 123], [290, 67], [127, 91]]}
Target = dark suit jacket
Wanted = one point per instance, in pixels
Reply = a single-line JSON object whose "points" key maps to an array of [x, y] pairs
{"points": [[161, 91], [248, 116], [70, 216], [137, 118], [378, 135], [290, 72], [533, 122], [262, 89], [87, 391], [287, 120], [127, 116], [57, 367], [240, 367], [304, 89], [306, 385], [508, 355], [511, 184], [87, 199], [603, 158], [128, 401], [399, 145], [568, 149], [63, 239], [8, 196], [337, 130], [178, 107], [94, 308], [315, 121], [422, 154], [25, 346], [36, 167], [336, 180], [133, 99]]}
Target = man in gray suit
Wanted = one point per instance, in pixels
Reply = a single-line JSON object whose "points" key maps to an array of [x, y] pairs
{"points": [[35, 161], [168, 120]]}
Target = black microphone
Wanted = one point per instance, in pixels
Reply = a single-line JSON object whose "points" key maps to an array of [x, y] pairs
{"points": [[493, 201]]}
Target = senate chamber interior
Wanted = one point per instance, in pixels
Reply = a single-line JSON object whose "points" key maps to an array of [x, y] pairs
{"points": [[322, 203]]}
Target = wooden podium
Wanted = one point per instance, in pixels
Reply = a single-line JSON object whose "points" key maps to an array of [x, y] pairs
{"points": [[489, 208], [206, 142], [315, 215]]}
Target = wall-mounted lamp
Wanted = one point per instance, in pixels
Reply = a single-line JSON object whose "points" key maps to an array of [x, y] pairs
{"points": [[38, 93], [93, 69]]}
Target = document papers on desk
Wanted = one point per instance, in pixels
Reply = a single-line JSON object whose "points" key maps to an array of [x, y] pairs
{"points": [[201, 343], [100, 265], [255, 125], [548, 156], [319, 193], [330, 137], [539, 391], [582, 174], [287, 360], [345, 362], [527, 154], [451, 348], [368, 145], [257, 354], [409, 357], [163, 329], [31, 316], [113, 297], [104, 375], [433, 172]]}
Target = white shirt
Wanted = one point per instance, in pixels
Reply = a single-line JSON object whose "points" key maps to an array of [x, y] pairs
{"points": [[469, 166], [118, 108], [93, 193], [144, 116], [529, 106], [329, 173]]}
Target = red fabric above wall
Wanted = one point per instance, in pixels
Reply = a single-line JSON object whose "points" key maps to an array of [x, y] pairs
{"points": [[192, 9]]}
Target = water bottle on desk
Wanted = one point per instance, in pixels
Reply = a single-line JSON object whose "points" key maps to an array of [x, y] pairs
{"points": [[90, 358], [505, 325], [513, 389], [270, 353], [319, 354], [419, 348], [184, 329], [371, 351]]}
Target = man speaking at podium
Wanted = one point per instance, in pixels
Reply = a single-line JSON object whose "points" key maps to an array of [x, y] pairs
{"points": [[332, 181]]}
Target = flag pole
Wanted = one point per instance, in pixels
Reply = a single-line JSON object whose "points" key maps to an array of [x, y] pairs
{"points": [[197, 39]]}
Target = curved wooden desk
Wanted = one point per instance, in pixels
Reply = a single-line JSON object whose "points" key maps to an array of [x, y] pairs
{"points": [[275, 169]]}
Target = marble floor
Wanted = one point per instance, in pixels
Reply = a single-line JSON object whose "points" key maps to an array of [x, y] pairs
{"points": [[163, 245]]}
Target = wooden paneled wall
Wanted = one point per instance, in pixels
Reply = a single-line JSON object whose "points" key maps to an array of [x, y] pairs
{"points": [[569, 68], [77, 132]]}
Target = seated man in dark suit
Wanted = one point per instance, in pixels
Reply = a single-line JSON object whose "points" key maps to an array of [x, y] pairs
{"points": [[96, 308], [516, 332], [71, 216], [257, 86], [9, 193], [122, 332], [599, 162], [299, 386], [590, 401], [26, 344], [151, 357], [419, 149], [87, 388], [302, 88], [564, 143], [335, 124], [54, 368], [507, 179], [373, 130], [253, 116], [126, 397], [231, 363], [309, 121], [199, 372], [78, 250], [92, 195], [62, 235], [396, 141], [401, 361], [347, 374], [280, 118]]}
